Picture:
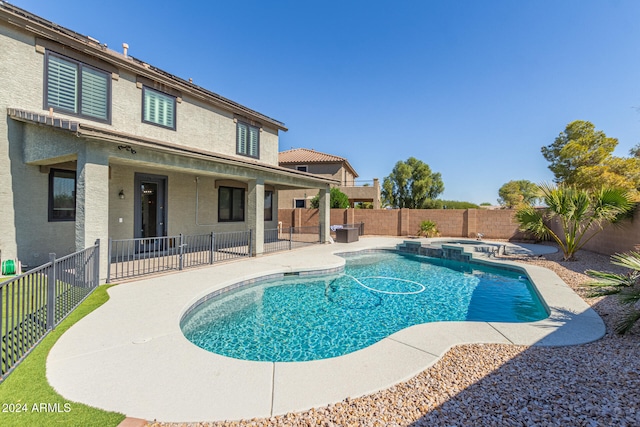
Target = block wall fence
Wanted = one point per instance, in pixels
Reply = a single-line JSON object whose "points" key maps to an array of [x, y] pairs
{"points": [[492, 224]]}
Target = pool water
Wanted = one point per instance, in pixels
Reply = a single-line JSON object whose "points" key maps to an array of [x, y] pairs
{"points": [[301, 319]]}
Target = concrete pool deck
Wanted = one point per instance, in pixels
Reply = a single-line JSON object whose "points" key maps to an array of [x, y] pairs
{"points": [[130, 356]]}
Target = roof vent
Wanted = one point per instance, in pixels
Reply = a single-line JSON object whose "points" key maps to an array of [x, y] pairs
{"points": [[125, 48]]}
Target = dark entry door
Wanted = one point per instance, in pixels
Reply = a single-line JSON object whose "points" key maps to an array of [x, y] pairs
{"points": [[150, 206]]}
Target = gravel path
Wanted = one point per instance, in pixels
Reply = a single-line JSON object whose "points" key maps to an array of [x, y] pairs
{"points": [[596, 384]]}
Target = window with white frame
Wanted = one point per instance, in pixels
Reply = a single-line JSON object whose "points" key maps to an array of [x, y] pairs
{"points": [[247, 140], [76, 88], [158, 108], [302, 168]]}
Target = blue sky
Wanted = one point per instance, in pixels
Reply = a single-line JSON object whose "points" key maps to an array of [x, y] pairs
{"points": [[472, 88]]}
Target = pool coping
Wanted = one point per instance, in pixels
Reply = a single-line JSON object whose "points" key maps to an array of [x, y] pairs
{"points": [[130, 356]]}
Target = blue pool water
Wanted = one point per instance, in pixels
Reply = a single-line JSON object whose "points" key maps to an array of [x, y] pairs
{"points": [[299, 319]]}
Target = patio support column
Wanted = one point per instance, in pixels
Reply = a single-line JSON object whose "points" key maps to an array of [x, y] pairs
{"points": [[325, 214], [92, 202], [255, 214]]}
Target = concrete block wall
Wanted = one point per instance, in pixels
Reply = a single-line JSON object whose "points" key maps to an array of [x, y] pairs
{"points": [[378, 222], [300, 217], [497, 224], [618, 238], [493, 224], [449, 222]]}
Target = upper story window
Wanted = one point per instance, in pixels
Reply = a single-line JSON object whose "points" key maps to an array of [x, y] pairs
{"points": [[302, 168], [158, 108], [76, 88], [62, 195], [247, 140]]}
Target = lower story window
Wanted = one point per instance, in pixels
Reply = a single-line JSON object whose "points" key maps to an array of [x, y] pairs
{"points": [[268, 205], [62, 195], [230, 204], [299, 203]]}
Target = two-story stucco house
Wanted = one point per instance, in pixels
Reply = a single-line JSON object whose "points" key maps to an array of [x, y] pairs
{"points": [[328, 166], [98, 144]]}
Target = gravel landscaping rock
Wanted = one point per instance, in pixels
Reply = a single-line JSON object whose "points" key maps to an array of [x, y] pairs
{"points": [[596, 384]]}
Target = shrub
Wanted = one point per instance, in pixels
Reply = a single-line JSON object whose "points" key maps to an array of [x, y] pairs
{"points": [[428, 229], [627, 286]]}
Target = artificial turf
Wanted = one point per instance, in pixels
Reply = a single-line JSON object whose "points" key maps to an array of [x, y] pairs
{"points": [[27, 399]]}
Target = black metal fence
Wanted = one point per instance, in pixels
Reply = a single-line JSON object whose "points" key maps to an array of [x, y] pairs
{"points": [[35, 302], [283, 239], [130, 258]]}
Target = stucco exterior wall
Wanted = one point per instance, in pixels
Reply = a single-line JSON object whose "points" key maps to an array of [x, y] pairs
{"points": [[25, 231], [330, 170], [198, 124], [17, 71], [182, 204], [31, 143]]}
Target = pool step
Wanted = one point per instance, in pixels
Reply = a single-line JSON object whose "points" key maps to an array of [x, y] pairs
{"points": [[451, 252]]}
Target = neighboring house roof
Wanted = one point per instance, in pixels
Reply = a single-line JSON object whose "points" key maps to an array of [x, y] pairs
{"points": [[47, 29], [297, 156]]}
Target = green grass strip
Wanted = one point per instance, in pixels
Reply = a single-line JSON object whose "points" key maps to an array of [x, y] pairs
{"points": [[27, 399]]}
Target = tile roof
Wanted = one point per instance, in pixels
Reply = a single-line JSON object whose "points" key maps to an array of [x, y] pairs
{"points": [[304, 155]]}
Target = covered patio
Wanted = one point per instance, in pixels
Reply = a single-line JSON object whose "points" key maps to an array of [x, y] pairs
{"points": [[130, 187]]}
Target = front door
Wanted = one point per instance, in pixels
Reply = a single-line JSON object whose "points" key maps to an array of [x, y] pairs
{"points": [[150, 207]]}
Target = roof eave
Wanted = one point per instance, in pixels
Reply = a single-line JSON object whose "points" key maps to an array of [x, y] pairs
{"points": [[44, 28], [97, 133]]}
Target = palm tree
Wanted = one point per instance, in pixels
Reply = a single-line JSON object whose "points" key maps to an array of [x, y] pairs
{"points": [[581, 213], [627, 286]]}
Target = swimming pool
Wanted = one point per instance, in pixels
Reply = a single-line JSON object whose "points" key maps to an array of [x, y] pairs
{"points": [[378, 294]]}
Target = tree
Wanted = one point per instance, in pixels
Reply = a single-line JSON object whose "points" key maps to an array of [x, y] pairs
{"points": [[363, 205], [410, 184], [627, 286], [581, 213], [514, 193], [337, 199], [582, 157], [448, 204]]}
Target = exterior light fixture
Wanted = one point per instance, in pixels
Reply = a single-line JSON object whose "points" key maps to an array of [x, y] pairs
{"points": [[121, 194]]}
